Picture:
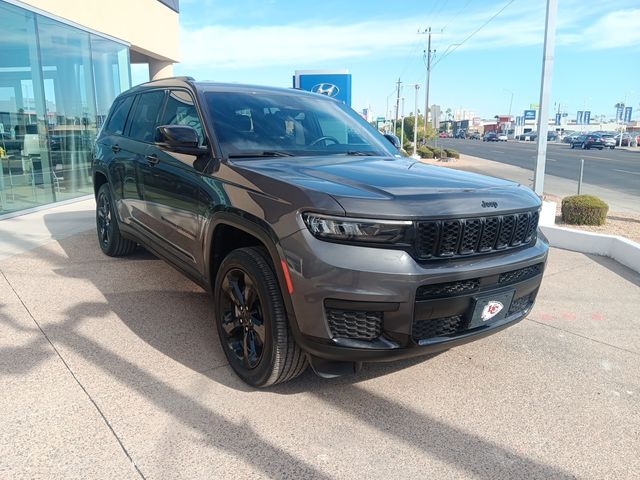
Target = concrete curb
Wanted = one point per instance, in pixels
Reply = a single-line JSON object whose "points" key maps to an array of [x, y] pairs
{"points": [[621, 249]]}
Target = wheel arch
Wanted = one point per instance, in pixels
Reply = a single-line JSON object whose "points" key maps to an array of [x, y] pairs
{"points": [[229, 230]]}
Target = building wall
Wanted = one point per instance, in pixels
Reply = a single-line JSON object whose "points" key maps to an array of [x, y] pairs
{"points": [[149, 26]]}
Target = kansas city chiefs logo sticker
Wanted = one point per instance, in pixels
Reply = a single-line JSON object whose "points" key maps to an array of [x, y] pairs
{"points": [[491, 309]]}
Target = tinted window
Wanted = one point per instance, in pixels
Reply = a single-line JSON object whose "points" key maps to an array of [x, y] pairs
{"points": [[293, 124], [119, 116], [145, 116], [180, 110]]}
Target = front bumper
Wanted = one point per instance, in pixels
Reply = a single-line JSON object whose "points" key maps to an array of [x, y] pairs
{"points": [[384, 285]]}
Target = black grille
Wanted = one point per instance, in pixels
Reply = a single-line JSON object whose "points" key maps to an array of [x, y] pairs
{"points": [[358, 325], [522, 303], [449, 289], [521, 274], [438, 327], [506, 231], [460, 237], [449, 238]]}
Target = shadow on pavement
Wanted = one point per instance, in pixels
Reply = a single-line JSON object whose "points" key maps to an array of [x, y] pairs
{"points": [[166, 311], [620, 270]]}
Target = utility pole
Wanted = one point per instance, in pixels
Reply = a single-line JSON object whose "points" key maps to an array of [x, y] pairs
{"points": [[415, 122], [395, 121], [402, 124], [545, 94], [428, 79]]}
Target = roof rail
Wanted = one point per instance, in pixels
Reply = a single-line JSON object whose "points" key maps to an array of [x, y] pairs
{"points": [[183, 78]]}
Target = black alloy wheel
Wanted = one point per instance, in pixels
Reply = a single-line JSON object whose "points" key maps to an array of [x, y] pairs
{"points": [[252, 321], [111, 241], [242, 318]]}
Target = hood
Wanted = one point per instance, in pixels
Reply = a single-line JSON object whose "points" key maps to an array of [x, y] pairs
{"points": [[397, 187]]}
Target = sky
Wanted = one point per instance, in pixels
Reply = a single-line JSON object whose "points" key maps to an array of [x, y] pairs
{"points": [[480, 64]]}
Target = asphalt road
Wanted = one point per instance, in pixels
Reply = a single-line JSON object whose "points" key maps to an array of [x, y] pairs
{"points": [[613, 169]]}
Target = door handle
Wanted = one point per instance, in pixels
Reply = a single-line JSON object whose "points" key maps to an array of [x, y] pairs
{"points": [[152, 159], [115, 148]]}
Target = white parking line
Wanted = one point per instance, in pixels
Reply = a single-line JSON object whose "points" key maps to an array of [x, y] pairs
{"points": [[627, 171], [498, 151]]}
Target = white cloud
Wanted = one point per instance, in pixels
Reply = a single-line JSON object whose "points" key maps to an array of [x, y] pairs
{"points": [[307, 44]]}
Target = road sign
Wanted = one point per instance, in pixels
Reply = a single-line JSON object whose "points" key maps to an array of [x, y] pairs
{"points": [[529, 114], [579, 116], [627, 114], [587, 117]]}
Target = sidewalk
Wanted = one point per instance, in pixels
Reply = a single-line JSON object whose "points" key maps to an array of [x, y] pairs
{"points": [[111, 369]]}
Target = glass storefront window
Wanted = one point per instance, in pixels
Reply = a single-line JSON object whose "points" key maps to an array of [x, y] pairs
{"points": [[24, 159], [57, 83]]}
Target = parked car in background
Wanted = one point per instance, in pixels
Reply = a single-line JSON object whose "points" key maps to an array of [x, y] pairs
{"points": [[570, 136], [527, 136], [552, 136], [490, 137], [461, 133], [502, 137], [475, 136], [609, 140], [588, 142], [627, 139], [443, 135]]}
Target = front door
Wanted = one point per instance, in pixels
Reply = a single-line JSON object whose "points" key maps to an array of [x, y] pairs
{"points": [[172, 184]]}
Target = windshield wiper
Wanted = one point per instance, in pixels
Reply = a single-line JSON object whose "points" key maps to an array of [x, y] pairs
{"points": [[360, 153], [265, 153]]}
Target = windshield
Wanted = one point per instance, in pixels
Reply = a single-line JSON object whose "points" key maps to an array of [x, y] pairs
{"points": [[278, 124]]}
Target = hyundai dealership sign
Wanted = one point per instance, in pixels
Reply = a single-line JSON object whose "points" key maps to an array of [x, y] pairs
{"points": [[333, 83]]}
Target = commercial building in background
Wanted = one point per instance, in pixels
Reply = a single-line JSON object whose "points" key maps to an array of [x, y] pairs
{"points": [[61, 65], [333, 83]]}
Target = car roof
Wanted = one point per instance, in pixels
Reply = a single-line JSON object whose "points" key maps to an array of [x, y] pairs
{"points": [[209, 86]]}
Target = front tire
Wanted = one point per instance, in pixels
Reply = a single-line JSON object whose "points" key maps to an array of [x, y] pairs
{"points": [[111, 241], [252, 322]]}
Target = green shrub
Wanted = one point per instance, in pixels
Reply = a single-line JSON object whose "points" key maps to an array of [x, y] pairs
{"points": [[451, 153], [584, 210], [437, 152], [425, 152]]}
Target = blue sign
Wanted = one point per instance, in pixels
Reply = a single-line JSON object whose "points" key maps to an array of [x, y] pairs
{"points": [[619, 112], [627, 114], [558, 117], [579, 116], [529, 114], [587, 117], [333, 83]]}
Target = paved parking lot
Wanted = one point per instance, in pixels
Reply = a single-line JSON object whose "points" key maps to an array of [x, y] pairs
{"points": [[111, 368]]}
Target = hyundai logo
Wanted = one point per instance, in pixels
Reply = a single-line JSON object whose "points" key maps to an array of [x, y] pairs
{"points": [[328, 89]]}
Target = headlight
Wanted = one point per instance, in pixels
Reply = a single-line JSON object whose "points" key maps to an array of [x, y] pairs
{"points": [[360, 230]]}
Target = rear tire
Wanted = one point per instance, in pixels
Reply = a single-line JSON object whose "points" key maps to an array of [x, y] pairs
{"points": [[252, 322], [111, 241]]}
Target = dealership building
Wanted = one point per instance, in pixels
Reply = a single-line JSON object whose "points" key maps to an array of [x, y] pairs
{"points": [[61, 65]]}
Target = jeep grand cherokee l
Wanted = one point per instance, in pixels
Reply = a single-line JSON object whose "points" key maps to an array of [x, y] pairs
{"points": [[318, 241]]}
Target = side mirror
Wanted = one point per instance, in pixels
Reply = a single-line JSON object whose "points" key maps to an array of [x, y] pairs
{"points": [[395, 141], [179, 139]]}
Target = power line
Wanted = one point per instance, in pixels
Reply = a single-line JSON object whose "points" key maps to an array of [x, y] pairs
{"points": [[456, 15], [458, 45]]}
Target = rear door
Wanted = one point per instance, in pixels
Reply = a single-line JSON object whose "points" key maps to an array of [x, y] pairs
{"points": [[140, 134], [117, 151]]}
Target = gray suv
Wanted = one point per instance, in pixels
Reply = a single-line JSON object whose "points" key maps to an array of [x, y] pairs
{"points": [[318, 241]]}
